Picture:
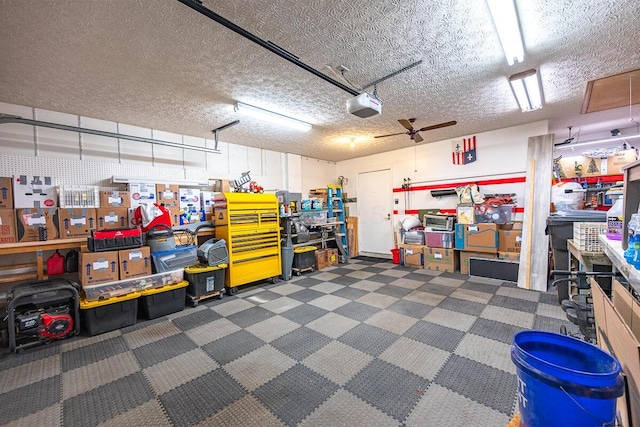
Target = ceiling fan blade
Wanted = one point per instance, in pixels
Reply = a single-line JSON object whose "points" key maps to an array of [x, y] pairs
{"points": [[391, 134], [406, 123], [417, 138], [438, 126]]}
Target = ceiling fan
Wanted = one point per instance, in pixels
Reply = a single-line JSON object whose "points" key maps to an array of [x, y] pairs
{"points": [[413, 133]]}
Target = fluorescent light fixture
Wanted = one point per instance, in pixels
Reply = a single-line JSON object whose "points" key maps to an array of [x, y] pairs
{"points": [[526, 88], [260, 113], [505, 19], [598, 141]]}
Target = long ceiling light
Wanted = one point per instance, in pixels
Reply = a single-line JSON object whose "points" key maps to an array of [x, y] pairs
{"points": [[598, 141], [505, 19], [526, 88], [260, 113]]}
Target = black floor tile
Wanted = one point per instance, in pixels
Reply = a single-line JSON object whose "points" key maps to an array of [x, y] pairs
{"points": [[435, 335], [369, 339], [164, 349]]}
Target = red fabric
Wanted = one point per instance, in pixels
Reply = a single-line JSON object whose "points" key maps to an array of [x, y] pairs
{"points": [[164, 219]]}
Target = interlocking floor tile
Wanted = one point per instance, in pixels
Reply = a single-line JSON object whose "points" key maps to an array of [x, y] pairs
{"points": [[304, 314], [472, 295], [88, 377], [392, 321], [212, 331], [179, 370], [350, 293], [244, 412], [107, 401], [306, 281], [372, 269], [196, 400], [436, 288], [377, 300], [332, 325], [435, 335], [345, 280], [348, 410], [286, 289], [427, 298], [498, 331], [354, 266], [450, 319], [368, 339], [357, 311], [262, 297], [514, 303], [301, 343], [325, 276], [462, 305], [306, 295], [487, 351], [50, 416], [394, 291], [258, 367], [447, 281], [549, 297], [149, 413], [505, 315], [553, 324], [519, 293], [81, 356], [28, 373], [327, 287], [367, 285], [410, 308], [415, 357], [360, 274], [443, 407], [329, 302], [426, 273], [549, 310], [293, 395], [272, 328], [232, 346], [480, 287], [337, 361], [232, 306], [389, 388], [159, 351], [482, 383], [250, 316], [34, 397], [280, 305], [383, 279], [74, 343], [151, 333], [338, 270], [404, 282], [396, 272], [198, 318]]}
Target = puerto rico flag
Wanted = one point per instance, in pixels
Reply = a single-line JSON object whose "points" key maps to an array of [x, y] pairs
{"points": [[464, 151]]}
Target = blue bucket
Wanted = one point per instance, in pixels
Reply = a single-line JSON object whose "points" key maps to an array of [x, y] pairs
{"points": [[563, 381]]}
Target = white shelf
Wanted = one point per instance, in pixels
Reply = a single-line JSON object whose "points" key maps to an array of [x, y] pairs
{"points": [[613, 249]]}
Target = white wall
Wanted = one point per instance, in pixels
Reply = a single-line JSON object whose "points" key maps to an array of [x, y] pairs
{"points": [[317, 174]]}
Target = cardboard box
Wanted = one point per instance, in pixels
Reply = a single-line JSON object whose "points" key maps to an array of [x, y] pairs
{"points": [[115, 199], [220, 185], [112, 218], [206, 201], [134, 262], [616, 336], [477, 237], [322, 259], [510, 240], [76, 222], [465, 214], [189, 199], [332, 256], [34, 192], [174, 212], [168, 194], [464, 259], [6, 193], [440, 259], [30, 221], [411, 255], [98, 267], [142, 192], [7, 226], [509, 256]]}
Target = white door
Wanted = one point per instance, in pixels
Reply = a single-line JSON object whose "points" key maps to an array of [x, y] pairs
{"points": [[375, 210]]}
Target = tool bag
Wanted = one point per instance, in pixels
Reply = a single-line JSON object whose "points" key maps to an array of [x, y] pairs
{"points": [[113, 240]]}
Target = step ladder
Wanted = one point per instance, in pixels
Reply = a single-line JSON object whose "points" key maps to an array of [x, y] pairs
{"points": [[336, 213]]}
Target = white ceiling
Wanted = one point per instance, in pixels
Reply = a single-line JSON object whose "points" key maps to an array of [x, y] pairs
{"points": [[160, 64]]}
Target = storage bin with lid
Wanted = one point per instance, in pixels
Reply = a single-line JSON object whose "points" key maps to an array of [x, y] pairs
{"points": [[156, 302]]}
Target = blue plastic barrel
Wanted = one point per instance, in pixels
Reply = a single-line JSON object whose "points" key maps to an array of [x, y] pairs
{"points": [[563, 381]]}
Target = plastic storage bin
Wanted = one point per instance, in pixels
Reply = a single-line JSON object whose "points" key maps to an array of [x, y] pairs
{"points": [[158, 302], [180, 257], [107, 315], [105, 291], [203, 281], [440, 239], [560, 229], [313, 217], [304, 257]]}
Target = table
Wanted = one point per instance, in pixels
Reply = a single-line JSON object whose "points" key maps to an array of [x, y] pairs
{"points": [[587, 259], [613, 250]]}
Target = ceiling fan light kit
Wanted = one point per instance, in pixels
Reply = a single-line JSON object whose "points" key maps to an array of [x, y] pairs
{"points": [[270, 116], [505, 19], [526, 88], [413, 133]]}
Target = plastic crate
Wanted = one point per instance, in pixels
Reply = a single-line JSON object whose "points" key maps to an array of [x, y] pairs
{"points": [[158, 302], [110, 314], [180, 257], [204, 280], [585, 235], [105, 291], [313, 217], [304, 257], [79, 196]]}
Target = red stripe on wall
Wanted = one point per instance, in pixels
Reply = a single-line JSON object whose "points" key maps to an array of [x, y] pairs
{"points": [[444, 211], [594, 179], [496, 181]]}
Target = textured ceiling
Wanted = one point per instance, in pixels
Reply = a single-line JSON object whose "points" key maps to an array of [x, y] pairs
{"points": [[160, 64]]}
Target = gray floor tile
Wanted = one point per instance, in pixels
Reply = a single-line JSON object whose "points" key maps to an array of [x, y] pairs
{"points": [[444, 279], [196, 400], [360, 274], [280, 305], [301, 343], [462, 305], [450, 319], [549, 297], [51, 416], [345, 280], [487, 351], [498, 331], [258, 367], [435, 335], [329, 302], [179, 370], [357, 311], [332, 325], [232, 306], [514, 303], [159, 351], [389, 388], [262, 297], [244, 412], [286, 288], [251, 316], [34, 397], [337, 362], [412, 356], [367, 285], [369, 339], [480, 287], [471, 295], [519, 293], [307, 281], [149, 413], [29, 373], [507, 315], [435, 288], [372, 269], [272, 328], [377, 300], [304, 314], [293, 395], [426, 298], [410, 308], [327, 287], [198, 318], [394, 291], [212, 331], [348, 410], [391, 321], [350, 293], [306, 295], [232, 346], [92, 353], [88, 377], [151, 333]]}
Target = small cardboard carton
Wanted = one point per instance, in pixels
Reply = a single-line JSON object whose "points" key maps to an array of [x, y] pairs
{"points": [[477, 237], [168, 195], [98, 267], [142, 192], [115, 199], [7, 226], [6, 193], [37, 192], [332, 256], [34, 225], [134, 262], [76, 222], [411, 255], [509, 256], [440, 259], [322, 259], [510, 240], [111, 218]]}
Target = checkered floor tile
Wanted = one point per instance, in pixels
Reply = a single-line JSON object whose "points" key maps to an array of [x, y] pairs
{"points": [[363, 343]]}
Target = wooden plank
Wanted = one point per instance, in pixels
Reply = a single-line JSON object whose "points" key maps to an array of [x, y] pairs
{"points": [[532, 273]]}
